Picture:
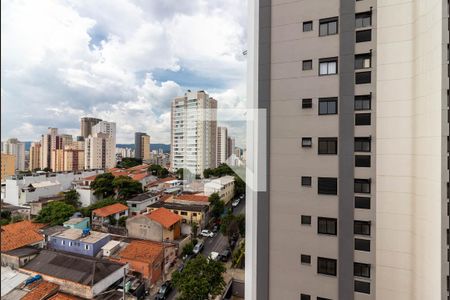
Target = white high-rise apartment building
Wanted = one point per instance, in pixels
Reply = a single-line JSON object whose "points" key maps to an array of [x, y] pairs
{"points": [[14, 147], [222, 143], [100, 146], [357, 152], [49, 142], [193, 132]]}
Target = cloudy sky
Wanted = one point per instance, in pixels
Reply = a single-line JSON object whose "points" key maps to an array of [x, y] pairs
{"points": [[119, 60]]}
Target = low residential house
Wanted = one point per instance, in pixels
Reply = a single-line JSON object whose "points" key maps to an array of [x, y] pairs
{"points": [[47, 232], [38, 205], [79, 241], [110, 248], [139, 203], [158, 225], [163, 183], [33, 191], [143, 257], [10, 280], [19, 257], [22, 212], [78, 275], [101, 216], [21, 234], [77, 223], [36, 290], [224, 186]]}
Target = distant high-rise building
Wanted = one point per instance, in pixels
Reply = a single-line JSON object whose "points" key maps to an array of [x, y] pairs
{"points": [[230, 146], [193, 132], [355, 203], [35, 156], [74, 156], [49, 142], [100, 146], [86, 125], [8, 162], [14, 147], [57, 160], [222, 139], [142, 146]]}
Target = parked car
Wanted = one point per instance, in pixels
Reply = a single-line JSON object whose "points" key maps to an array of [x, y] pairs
{"points": [[235, 202], [164, 291], [207, 233], [214, 255], [225, 255], [198, 248]]}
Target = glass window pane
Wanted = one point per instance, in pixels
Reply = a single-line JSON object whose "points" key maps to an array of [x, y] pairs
{"points": [[323, 107], [323, 68], [323, 29], [332, 107], [332, 67], [332, 27]]}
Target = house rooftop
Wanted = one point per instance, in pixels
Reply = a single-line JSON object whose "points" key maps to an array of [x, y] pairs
{"points": [[111, 245], [52, 230], [76, 268], [142, 197], [10, 279], [109, 210], [144, 251], [40, 289], [24, 251], [77, 234], [63, 296], [180, 206], [194, 198], [164, 217], [44, 184], [20, 234]]}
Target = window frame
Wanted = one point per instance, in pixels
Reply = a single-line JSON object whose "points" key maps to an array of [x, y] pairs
{"points": [[327, 101], [362, 18], [361, 287], [305, 259], [363, 161], [360, 200], [366, 117], [306, 23], [361, 142], [362, 59], [362, 36], [361, 227], [307, 65], [304, 181], [305, 297], [361, 270], [329, 224], [362, 245], [329, 143], [305, 139], [327, 22], [360, 184], [305, 220], [361, 101], [328, 61], [330, 267], [326, 180], [363, 77], [306, 103]]}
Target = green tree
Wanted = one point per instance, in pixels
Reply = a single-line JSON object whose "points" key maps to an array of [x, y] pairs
{"points": [[200, 279], [126, 187], [218, 209], [72, 197], [112, 220], [194, 229], [188, 249], [16, 219], [238, 259], [47, 170], [214, 198], [55, 213], [122, 221], [129, 162], [241, 223], [103, 185], [183, 174], [5, 217], [158, 171]]}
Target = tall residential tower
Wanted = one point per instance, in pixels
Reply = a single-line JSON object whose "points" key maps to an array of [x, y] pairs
{"points": [[142, 146], [357, 99]]}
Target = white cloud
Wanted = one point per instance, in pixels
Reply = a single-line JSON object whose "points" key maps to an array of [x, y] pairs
{"points": [[65, 59]]}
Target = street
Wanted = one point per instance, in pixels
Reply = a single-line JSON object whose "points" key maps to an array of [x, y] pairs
{"points": [[218, 243]]}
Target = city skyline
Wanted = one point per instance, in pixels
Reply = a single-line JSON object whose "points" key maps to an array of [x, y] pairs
{"points": [[114, 71]]}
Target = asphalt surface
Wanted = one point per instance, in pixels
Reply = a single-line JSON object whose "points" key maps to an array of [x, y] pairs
{"points": [[218, 243]]}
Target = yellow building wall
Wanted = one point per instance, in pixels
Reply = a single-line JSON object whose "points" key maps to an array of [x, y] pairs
{"points": [[7, 165]]}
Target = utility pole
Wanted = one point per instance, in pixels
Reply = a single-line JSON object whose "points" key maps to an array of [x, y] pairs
{"points": [[124, 280]]}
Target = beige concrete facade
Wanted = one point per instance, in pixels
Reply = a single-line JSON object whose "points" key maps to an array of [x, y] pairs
{"points": [[7, 168], [389, 204], [35, 156]]}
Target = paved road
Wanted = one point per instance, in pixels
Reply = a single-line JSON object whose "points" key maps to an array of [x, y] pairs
{"points": [[218, 243]]}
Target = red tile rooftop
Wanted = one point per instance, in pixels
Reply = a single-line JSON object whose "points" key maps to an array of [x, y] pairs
{"points": [[164, 217], [109, 210], [20, 234]]}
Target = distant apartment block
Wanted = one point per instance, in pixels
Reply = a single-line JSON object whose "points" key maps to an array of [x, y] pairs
{"points": [[193, 132], [86, 125], [14, 147], [222, 145], [224, 186], [35, 156], [142, 146], [100, 146], [7, 166]]}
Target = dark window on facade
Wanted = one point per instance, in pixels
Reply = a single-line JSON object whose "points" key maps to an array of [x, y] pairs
{"points": [[306, 103], [327, 226], [364, 36], [306, 180], [363, 61], [327, 185], [362, 202], [328, 66], [326, 266], [305, 259], [362, 287], [306, 220], [361, 227], [307, 65], [362, 144], [328, 26], [363, 77], [133, 205], [362, 186], [307, 26], [363, 20], [327, 146], [307, 142], [362, 245], [361, 270], [363, 102], [328, 106], [321, 298], [362, 119], [362, 161], [305, 297]]}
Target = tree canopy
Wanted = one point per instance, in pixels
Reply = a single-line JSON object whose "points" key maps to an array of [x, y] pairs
{"points": [[55, 213], [72, 197], [126, 187], [232, 224], [184, 174], [158, 171], [217, 205], [103, 185], [129, 162], [200, 279]]}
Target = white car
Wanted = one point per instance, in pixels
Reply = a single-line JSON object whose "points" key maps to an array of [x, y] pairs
{"points": [[207, 233], [198, 248], [235, 203], [214, 256]]}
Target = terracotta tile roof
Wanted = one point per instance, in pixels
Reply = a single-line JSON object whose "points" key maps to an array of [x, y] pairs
{"points": [[41, 290], [63, 296], [139, 167], [164, 217], [20, 234], [109, 210], [144, 251], [90, 178], [186, 197], [139, 176]]}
